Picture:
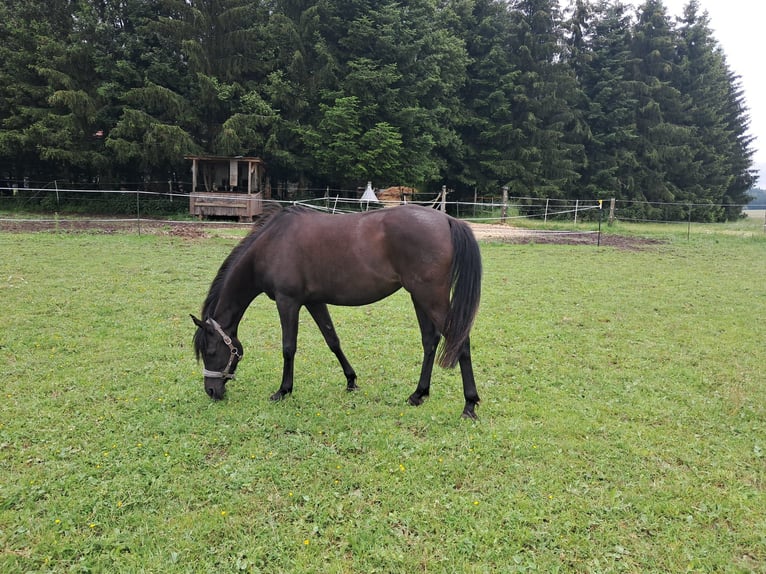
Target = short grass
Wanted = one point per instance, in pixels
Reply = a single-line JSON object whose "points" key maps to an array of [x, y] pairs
{"points": [[753, 224], [623, 422]]}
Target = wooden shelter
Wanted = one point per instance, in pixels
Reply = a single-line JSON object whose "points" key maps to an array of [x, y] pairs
{"points": [[396, 195], [227, 187]]}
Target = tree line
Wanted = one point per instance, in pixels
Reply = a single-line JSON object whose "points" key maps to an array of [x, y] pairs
{"points": [[595, 99]]}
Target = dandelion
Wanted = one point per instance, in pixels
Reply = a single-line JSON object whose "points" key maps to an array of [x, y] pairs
{"points": [[119, 504], [92, 525], [401, 468], [223, 513], [57, 521], [306, 542], [476, 503], [289, 494]]}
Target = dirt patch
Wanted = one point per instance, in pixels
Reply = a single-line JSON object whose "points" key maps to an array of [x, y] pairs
{"points": [[188, 230], [198, 230], [506, 234]]}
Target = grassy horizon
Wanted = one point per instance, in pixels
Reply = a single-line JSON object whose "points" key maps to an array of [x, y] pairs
{"points": [[622, 428]]}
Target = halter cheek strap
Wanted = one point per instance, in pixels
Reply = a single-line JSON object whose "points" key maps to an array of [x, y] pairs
{"points": [[226, 374]]}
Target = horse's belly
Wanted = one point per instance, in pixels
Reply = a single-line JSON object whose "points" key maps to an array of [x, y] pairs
{"points": [[353, 293]]}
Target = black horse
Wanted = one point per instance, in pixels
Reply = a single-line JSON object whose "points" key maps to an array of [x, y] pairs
{"points": [[303, 258]]}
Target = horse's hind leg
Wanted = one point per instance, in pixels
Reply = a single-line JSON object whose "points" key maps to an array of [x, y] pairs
{"points": [[321, 316], [430, 338], [469, 384]]}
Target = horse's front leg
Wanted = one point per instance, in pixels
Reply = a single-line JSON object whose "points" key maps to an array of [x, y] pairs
{"points": [[430, 338], [321, 316], [288, 317]]}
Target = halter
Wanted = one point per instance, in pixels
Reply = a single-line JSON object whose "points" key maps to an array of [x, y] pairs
{"points": [[225, 374]]}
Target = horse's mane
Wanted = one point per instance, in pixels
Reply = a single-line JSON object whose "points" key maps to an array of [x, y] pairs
{"points": [[272, 215]]}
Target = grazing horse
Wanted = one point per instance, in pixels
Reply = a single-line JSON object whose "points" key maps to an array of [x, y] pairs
{"points": [[300, 257]]}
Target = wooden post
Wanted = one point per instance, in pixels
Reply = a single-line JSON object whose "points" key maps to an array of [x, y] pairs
{"points": [[444, 199], [194, 175], [611, 211], [577, 206], [504, 213]]}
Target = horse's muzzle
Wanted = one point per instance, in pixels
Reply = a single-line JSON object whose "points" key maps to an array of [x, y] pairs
{"points": [[215, 392]]}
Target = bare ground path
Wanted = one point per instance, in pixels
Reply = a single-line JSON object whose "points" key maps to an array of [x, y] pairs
{"points": [[483, 231]]}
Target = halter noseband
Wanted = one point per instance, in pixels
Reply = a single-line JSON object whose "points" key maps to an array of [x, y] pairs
{"points": [[225, 374]]}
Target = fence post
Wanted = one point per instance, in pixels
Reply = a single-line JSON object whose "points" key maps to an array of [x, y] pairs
{"points": [[138, 210], [689, 226], [611, 211], [545, 219], [504, 213], [577, 206], [444, 199], [600, 217]]}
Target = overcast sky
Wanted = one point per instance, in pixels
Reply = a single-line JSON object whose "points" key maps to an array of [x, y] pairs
{"points": [[738, 26]]}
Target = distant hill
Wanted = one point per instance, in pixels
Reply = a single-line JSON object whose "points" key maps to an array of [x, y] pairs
{"points": [[761, 169], [759, 198]]}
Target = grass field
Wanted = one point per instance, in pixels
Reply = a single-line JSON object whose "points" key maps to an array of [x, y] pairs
{"points": [[622, 428]]}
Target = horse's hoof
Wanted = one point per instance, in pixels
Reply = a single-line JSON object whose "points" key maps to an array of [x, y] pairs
{"points": [[415, 401], [470, 415], [278, 396], [353, 387]]}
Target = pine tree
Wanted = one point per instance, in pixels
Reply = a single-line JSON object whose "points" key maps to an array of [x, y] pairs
{"points": [[155, 125], [54, 110], [25, 27], [543, 158], [601, 61], [485, 120]]}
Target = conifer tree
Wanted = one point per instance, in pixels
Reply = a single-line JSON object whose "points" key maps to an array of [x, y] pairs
{"points": [[601, 56], [545, 158], [25, 28]]}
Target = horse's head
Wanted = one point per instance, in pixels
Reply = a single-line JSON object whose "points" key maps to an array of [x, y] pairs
{"points": [[220, 355]]}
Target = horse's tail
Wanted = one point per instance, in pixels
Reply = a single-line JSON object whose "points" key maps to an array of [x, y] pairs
{"points": [[465, 292]]}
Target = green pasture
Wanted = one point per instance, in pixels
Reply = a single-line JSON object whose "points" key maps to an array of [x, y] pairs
{"points": [[622, 428]]}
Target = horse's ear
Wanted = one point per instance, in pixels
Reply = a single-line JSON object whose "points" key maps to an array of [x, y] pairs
{"points": [[197, 322]]}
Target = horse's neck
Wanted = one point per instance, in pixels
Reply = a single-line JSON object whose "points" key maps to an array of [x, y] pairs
{"points": [[238, 291]]}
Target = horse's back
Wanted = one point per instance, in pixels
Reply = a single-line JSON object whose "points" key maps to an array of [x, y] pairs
{"points": [[359, 258]]}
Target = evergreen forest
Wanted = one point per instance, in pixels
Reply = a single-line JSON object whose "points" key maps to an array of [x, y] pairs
{"points": [[574, 99]]}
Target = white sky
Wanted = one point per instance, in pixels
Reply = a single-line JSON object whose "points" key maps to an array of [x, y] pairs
{"points": [[738, 27]]}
